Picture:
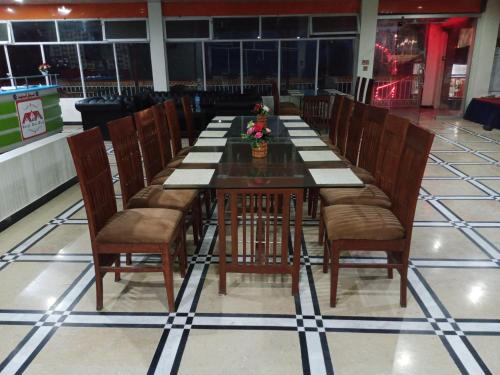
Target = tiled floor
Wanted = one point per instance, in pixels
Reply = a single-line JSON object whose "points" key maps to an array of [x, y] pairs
{"points": [[48, 322]]}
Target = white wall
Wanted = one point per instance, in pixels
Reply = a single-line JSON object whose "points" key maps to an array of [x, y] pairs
{"points": [[157, 45], [69, 112], [484, 51]]}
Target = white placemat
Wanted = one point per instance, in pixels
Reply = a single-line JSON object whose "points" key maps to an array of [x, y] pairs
{"points": [[202, 157], [297, 124], [213, 134], [217, 142], [335, 176], [308, 142], [219, 125], [221, 118], [290, 117], [326, 155], [190, 177], [302, 133]]}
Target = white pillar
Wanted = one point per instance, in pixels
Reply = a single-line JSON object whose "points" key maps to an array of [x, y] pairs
{"points": [[157, 46], [483, 54], [367, 33]]}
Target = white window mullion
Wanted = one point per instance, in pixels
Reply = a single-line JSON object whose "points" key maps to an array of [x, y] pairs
{"points": [[117, 70], [279, 68], [204, 66], [317, 65], [7, 58], [80, 65], [241, 67], [42, 52]]}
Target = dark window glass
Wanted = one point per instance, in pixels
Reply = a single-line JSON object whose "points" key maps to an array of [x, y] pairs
{"points": [[126, 30], [185, 65], [222, 61], [63, 60], [38, 31], [24, 60], [340, 24], [298, 65], [335, 65], [4, 70], [80, 30], [260, 66], [284, 27], [187, 29], [236, 28], [4, 33], [134, 66], [99, 71]]}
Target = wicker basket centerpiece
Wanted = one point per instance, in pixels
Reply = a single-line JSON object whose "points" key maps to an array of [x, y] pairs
{"points": [[258, 135]]}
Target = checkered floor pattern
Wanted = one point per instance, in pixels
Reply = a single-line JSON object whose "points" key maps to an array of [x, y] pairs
{"points": [[310, 325]]}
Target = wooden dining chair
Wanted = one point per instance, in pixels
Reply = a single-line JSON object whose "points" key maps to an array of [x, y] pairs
{"points": [[380, 193], [334, 119], [189, 118], [282, 108], [371, 228], [317, 110], [259, 233], [343, 126], [175, 130], [163, 133], [373, 126], [144, 230], [355, 127], [134, 192], [356, 87]]}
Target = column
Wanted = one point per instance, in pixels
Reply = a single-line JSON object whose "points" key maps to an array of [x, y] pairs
{"points": [[483, 53], [157, 46], [367, 33]]}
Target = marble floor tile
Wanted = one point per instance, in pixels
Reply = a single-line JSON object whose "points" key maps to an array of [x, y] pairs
{"points": [[474, 210], [11, 336], [486, 347], [478, 170], [63, 239], [451, 188]]}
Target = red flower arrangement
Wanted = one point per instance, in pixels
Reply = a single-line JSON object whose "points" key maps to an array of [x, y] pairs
{"points": [[261, 109], [257, 133]]}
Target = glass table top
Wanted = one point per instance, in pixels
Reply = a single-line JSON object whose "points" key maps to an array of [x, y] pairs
{"points": [[282, 168]]}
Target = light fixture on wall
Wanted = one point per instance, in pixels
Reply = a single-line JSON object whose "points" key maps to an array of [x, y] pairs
{"points": [[64, 11]]}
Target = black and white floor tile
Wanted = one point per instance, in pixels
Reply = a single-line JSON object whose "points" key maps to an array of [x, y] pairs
{"points": [[48, 323]]}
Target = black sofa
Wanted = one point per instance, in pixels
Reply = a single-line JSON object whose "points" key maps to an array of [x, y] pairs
{"points": [[97, 111]]}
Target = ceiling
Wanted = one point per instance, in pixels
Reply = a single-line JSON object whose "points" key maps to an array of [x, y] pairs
{"points": [[13, 2]]}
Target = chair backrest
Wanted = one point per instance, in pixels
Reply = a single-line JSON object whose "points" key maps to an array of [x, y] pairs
{"points": [[128, 156], [390, 151], [356, 87], [373, 127], [369, 92], [173, 126], [334, 118], [260, 225], [148, 139], [411, 170], [189, 118], [343, 125], [276, 98], [93, 171], [361, 93], [317, 111], [355, 131], [163, 133]]}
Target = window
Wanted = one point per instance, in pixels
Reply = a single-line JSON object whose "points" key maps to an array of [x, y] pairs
{"points": [[134, 67], [185, 65], [298, 65], [334, 24], [260, 66], [37, 31], [336, 64], [24, 60], [126, 29], [236, 28], [80, 30], [63, 59], [222, 61], [4, 32], [99, 72], [284, 27], [4, 69], [187, 29]]}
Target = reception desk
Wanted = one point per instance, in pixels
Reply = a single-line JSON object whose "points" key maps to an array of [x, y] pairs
{"points": [[28, 114]]}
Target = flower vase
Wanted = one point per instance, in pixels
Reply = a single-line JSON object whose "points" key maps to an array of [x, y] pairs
{"points": [[262, 118], [260, 151]]}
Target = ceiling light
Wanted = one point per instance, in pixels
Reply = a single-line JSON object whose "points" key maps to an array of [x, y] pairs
{"points": [[64, 11], [18, 1], [420, 7], [10, 10]]}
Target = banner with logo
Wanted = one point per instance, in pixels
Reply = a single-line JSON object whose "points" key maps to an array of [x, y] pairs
{"points": [[31, 117]]}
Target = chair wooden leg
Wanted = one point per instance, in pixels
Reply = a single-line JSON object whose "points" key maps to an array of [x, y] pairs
{"points": [[182, 252], [334, 274], [321, 232], [314, 204], [117, 264], [169, 279], [98, 288], [390, 273], [326, 256], [195, 220], [128, 259], [403, 284], [208, 203]]}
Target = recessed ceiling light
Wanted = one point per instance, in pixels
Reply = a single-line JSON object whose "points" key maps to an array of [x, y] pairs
{"points": [[64, 11], [420, 7], [10, 10]]}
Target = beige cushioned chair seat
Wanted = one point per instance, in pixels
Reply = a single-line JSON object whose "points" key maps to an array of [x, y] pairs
{"points": [[160, 178], [140, 226], [369, 195], [184, 151], [155, 196], [175, 163], [359, 222], [363, 175]]}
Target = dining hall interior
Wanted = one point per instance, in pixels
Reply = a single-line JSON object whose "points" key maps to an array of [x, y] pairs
{"points": [[226, 186]]}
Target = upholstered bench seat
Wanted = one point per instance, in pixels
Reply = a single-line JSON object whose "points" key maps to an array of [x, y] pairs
{"points": [[361, 222]]}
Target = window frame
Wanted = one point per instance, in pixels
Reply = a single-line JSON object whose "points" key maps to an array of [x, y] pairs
{"points": [[312, 33], [9, 33], [113, 40], [193, 18], [79, 20], [13, 37]]}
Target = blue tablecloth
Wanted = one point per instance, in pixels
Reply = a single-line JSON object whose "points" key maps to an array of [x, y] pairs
{"points": [[485, 112]]}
